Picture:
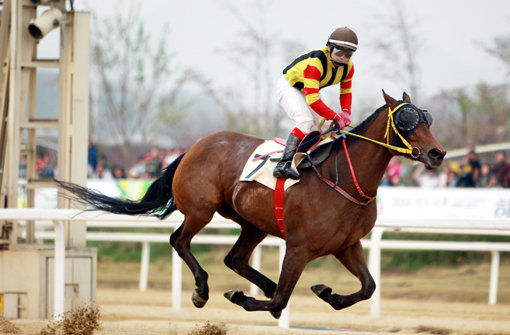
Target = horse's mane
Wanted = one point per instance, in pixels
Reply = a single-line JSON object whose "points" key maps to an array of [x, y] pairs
{"points": [[363, 126]]}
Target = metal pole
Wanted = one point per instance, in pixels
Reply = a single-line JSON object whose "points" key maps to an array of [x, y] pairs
{"points": [[374, 264], [493, 286], [284, 321], [176, 281], [144, 266], [256, 260], [59, 271]]}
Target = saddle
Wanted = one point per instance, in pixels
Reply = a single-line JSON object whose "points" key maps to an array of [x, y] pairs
{"points": [[259, 167], [318, 153], [262, 161], [314, 153]]}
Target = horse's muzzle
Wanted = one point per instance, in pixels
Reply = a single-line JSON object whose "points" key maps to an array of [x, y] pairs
{"points": [[434, 158]]}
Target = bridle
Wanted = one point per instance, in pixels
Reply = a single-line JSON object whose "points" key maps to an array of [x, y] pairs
{"points": [[399, 123], [419, 117]]}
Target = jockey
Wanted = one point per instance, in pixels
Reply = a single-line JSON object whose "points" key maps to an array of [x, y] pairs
{"points": [[298, 91]]}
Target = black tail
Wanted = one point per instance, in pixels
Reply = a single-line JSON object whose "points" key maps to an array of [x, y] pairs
{"points": [[158, 200]]}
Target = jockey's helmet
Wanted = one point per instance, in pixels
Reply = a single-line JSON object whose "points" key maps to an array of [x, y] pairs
{"points": [[343, 37]]}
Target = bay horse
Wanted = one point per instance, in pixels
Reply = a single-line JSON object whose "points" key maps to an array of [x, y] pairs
{"points": [[317, 220]]}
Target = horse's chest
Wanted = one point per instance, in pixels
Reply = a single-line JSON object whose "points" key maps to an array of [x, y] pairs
{"points": [[345, 231]]}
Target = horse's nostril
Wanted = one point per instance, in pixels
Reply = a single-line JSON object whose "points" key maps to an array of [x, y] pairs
{"points": [[437, 154]]}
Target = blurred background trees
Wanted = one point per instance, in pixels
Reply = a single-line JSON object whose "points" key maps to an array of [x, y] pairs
{"points": [[138, 92]]}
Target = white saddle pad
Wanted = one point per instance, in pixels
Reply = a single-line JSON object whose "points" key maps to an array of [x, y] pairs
{"points": [[259, 166]]}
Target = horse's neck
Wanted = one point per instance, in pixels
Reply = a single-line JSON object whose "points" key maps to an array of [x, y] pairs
{"points": [[369, 160], [369, 163]]}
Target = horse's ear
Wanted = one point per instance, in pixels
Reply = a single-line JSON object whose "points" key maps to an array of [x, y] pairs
{"points": [[390, 102], [406, 98]]}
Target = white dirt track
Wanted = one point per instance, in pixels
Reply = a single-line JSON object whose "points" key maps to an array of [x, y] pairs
{"points": [[128, 311]]}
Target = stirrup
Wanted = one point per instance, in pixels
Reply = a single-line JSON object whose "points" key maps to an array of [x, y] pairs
{"points": [[285, 171]]}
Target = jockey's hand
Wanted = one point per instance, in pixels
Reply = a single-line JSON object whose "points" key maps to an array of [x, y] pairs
{"points": [[346, 116], [339, 123]]}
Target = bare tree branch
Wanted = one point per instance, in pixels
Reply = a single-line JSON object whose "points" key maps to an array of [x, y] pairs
{"points": [[397, 40], [136, 78]]}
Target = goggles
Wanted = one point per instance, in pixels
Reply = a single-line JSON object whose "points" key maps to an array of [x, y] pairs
{"points": [[341, 51], [407, 119]]}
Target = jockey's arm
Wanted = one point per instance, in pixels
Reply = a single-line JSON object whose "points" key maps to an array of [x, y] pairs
{"points": [[311, 81], [346, 92]]}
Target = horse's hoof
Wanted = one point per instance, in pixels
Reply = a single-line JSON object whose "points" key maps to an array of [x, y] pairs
{"points": [[321, 290], [234, 296], [198, 301], [276, 314]]}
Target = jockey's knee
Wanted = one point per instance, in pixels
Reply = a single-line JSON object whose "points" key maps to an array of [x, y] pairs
{"points": [[305, 126]]}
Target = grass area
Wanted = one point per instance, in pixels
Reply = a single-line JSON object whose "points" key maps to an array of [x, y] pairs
{"points": [[467, 282]]}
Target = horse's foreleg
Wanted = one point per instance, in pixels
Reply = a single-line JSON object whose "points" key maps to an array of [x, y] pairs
{"points": [[354, 260], [292, 267], [180, 240], [238, 259]]}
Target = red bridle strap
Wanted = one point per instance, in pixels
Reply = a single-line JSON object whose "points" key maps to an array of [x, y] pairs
{"points": [[342, 191], [360, 191]]}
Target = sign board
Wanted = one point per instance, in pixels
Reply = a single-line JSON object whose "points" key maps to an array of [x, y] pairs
{"points": [[443, 208], [444, 203]]}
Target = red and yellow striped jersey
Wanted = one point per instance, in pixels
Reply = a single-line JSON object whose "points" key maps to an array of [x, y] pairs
{"points": [[314, 70]]}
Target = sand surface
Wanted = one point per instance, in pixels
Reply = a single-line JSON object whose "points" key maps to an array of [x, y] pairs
{"points": [[128, 311]]}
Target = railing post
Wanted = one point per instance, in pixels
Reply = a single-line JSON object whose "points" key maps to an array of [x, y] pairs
{"points": [[59, 271], [176, 281], [284, 321], [256, 260], [144, 266], [374, 264], [493, 286]]}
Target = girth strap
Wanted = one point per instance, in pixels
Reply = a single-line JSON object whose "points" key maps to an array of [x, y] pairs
{"points": [[278, 204]]}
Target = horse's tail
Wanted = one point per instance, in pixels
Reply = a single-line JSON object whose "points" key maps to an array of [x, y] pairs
{"points": [[158, 200]]}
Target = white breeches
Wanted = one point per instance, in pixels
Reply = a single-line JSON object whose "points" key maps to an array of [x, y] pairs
{"points": [[293, 102]]}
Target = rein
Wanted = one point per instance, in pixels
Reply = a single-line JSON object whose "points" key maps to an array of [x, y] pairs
{"points": [[410, 150], [414, 152], [340, 190]]}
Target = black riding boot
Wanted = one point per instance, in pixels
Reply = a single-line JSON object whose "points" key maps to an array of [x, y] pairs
{"points": [[283, 169]]}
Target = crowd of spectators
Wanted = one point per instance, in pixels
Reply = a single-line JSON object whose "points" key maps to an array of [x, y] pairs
{"points": [[45, 165], [149, 166], [471, 171]]}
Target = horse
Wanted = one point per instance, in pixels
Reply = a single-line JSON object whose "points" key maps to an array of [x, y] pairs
{"points": [[318, 221]]}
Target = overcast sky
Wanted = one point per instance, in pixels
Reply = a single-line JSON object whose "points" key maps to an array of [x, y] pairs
{"points": [[450, 30]]}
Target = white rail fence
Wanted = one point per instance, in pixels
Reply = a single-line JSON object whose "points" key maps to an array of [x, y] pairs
{"points": [[376, 243]]}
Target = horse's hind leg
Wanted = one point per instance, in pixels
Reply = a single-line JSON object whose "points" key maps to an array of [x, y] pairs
{"points": [[238, 259], [354, 260], [181, 240]]}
